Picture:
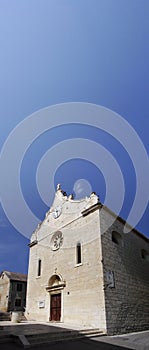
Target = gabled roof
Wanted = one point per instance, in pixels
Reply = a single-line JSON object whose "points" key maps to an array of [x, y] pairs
{"points": [[15, 276]]}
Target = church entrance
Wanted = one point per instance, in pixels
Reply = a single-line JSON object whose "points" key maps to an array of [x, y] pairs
{"points": [[55, 288], [55, 307]]}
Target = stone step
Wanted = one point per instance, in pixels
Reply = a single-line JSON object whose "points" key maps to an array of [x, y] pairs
{"points": [[5, 319], [44, 338], [5, 316], [16, 335], [5, 338]]}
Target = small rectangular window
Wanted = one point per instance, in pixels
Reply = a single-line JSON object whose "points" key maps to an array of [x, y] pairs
{"points": [[39, 267], [19, 287], [78, 253]]}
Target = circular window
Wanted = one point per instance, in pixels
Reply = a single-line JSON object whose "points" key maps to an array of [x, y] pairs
{"points": [[56, 240]]}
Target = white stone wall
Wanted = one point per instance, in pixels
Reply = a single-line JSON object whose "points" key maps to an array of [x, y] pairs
{"points": [[83, 296], [4, 292]]}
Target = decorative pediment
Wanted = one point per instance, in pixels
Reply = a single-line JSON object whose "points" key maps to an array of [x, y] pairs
{"points": [[55, 283]]}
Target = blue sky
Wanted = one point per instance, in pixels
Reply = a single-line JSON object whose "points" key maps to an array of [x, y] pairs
{"points": [[59, 51]]}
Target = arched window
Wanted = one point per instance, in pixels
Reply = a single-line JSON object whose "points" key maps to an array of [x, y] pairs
{"points": [[39, 267], [78, 253], [116, 237]]}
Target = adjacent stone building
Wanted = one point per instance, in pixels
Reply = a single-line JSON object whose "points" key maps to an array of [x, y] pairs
{"points": [[12, 291], [84, 270]]}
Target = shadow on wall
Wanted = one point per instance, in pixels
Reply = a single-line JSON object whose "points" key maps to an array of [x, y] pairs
{"points": [[127, 303]]}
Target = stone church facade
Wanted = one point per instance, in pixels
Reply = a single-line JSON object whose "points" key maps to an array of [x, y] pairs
{"points": [[83, 270]]}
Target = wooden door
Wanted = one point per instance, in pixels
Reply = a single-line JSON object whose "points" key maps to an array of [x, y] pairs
{"points": [[55, 309]]}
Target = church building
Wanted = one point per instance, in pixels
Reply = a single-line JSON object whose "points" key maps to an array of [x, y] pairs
{"points": [[84, 270]]}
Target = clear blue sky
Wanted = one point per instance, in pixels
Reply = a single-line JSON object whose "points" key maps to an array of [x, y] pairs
{"points": [[56, 51]]}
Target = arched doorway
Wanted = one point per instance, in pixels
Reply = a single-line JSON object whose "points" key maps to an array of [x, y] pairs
{"points": [[55, 287]]}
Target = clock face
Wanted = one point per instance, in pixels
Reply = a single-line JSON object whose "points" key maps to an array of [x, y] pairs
{"points": [[57, 240], [57, 212]]}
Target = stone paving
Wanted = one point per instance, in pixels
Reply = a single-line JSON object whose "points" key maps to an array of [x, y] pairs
{"points": [[134, 341], [34, 333], [32, 327]]}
